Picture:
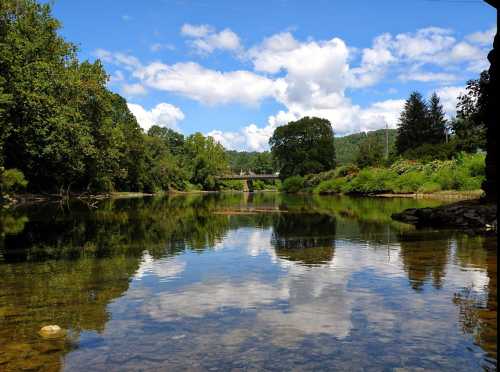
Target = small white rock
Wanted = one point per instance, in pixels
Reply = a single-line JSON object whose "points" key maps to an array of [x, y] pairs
{"points": [[51, 331]]}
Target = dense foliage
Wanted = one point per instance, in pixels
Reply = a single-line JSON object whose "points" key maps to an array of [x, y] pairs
{"points": [[469, 126], [65, 131], [303, 146]]}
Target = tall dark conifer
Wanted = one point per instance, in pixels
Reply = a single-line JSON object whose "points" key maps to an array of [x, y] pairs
{"points": [[437, 121], [413, 123]]}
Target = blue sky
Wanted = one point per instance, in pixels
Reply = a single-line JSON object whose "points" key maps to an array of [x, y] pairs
{"points": [[236, 70]]}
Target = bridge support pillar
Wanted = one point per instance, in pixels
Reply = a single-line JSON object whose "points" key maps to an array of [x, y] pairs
{"points": [[245, 186]]}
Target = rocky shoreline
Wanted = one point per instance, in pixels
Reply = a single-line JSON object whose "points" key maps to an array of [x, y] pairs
{"points": [[471, 215]]}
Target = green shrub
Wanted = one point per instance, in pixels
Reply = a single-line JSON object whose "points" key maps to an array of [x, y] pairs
{"points": [[293, 184], [12, 180], [231, 185], [404, 165], [470, 183], [313, 180], [371, 180], [446, 178], [333, 186], [347, 170], [429, 187], [473, 163], [408, 182]]}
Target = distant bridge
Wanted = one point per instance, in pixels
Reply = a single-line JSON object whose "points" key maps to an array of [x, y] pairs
{"points": [[249, 177]]}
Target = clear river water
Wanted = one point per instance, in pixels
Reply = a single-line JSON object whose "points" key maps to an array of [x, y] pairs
{"points": [[243, 282]]}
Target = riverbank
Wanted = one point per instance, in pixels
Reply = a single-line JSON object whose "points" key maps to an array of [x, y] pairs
{"points": [[17, 200], [452, 195], [27, 199]]}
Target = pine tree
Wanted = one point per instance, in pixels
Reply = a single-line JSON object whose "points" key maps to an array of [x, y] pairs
{"points": [[437, 121], [413, 123]]}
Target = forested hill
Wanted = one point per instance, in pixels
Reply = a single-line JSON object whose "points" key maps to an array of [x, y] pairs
{"points": [[346, 150], [347, 147]]}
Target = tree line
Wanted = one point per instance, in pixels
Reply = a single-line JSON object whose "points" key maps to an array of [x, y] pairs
{"points": [[62, 130], [424, 134]]}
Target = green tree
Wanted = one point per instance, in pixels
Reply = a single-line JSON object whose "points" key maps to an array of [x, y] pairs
{"points": [[437, 121], [413, 123], [164, 169], [173, 139], [204, 159], [303, 146], [469, 126], [262, 163]]}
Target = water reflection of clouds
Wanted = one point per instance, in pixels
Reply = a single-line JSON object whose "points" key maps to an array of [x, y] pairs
{"points": [[165, 268], [201, 299], [319, 299]]}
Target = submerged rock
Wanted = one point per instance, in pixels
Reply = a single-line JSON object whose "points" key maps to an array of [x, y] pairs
{"points": [[472, 215], [51, 331]]}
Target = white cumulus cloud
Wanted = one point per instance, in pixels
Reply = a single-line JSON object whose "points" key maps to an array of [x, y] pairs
{"points": [[163, 114], [205, 85]]}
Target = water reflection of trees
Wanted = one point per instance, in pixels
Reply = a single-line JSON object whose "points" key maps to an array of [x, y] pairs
{"points": [[162, 226], [478, 310], [74, 261], [305, 238], [64, 265], [425, 256]]}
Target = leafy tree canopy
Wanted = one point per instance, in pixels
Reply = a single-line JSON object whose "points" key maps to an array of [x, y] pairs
{"points": [[303, 146]]}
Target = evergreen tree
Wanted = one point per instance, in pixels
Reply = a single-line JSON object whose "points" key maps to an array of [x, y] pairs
{"points": [[437, 121], [413, 123]]}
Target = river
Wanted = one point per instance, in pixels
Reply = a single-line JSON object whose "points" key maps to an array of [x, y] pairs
{"points": [[242, 282]]}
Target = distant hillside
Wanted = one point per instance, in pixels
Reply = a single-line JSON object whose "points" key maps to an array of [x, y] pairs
{"points": [[346, 148]]}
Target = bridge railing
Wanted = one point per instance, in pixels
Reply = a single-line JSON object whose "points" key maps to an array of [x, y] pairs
{"points": [[248, 177]]}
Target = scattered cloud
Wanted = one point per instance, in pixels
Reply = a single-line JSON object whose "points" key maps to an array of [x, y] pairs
{"points": [[196, 30], [427, 76], [127, 61], [205, 39], [483, 37], [307, 77], [163, 114], [133, 90], [116, 77], [126, 17]]}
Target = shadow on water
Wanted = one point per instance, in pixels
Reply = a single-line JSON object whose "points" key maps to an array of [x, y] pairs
{"points": [[73, 265]]}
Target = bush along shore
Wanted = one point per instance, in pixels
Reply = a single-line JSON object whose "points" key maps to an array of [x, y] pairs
{"points": [[463, 175], [459, 178]]}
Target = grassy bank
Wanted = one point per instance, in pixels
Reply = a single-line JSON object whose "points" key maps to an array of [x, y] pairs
{"points": [[465, 173]]}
